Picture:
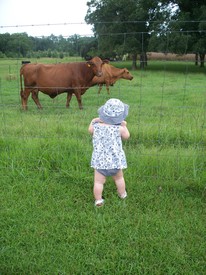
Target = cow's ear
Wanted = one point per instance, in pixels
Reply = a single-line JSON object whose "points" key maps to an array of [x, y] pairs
{"points": [[105, 61], [89, 63]]}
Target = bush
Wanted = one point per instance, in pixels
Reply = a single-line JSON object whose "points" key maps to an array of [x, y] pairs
{"points": [[61, 55], [2, 55]]}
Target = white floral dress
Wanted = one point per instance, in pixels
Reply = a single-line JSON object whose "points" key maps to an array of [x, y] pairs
{"points": [[107, 148]]}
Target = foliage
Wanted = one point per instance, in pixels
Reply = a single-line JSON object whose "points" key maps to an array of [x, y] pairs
{"points": [[133, 28], [125, 25], [158, 25], [21, 45], [184, 29]]}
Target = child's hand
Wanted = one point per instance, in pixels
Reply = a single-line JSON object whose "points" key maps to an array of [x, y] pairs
{"points": [[124, 131], [91, 125], [96, 120], [123, 123]]}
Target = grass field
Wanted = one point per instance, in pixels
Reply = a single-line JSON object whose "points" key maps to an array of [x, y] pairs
{"points": [[49, 224]]}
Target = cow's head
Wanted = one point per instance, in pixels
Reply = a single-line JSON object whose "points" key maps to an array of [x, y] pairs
{"points": [[96, 64], [127, 75]]}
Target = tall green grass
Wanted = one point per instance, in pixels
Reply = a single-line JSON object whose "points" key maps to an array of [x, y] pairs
{"points": [[48, 221]]}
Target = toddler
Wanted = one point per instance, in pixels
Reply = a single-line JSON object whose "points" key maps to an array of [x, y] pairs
{"points": [[108, 157]]}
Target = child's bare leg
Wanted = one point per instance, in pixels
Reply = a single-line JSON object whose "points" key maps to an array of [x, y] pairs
{"points": [[99, 181], [120, 184]]}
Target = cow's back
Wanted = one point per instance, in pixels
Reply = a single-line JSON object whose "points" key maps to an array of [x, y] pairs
{"points": [[63, 75]]}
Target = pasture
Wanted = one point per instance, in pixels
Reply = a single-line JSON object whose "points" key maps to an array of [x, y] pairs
{"points": [[49, 224]]}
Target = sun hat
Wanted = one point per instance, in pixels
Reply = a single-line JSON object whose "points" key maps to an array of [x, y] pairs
{"points": [[114, 111]]}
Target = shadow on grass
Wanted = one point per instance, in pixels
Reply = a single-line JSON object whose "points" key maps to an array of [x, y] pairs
{"points": [[174, 66], [166, 65]]}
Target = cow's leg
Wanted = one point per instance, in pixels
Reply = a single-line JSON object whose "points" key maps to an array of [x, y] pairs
{"points": [[100, 88], [69, 96], [35, 98], [24, 98], [107, 87], [78, 96]]}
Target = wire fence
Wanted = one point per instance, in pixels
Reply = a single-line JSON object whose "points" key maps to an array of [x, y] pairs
{"points": [[167, 114]]}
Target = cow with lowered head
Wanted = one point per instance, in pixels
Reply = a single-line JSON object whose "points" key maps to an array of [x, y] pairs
{"points": [[59, 78]]}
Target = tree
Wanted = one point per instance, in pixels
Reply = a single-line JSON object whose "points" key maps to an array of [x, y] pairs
{"points": [[4, 38], [193, 16], [88, 46], [120, 27], [15, 45], [136, 25], [44, 43]]}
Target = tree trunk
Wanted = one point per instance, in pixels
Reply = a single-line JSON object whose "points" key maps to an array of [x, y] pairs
{"points": [[134, 61], [143, 60], [196, 59], [202, 60]]}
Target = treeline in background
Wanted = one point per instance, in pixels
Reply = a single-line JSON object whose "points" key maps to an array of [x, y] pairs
{"points": [[169, 26]]}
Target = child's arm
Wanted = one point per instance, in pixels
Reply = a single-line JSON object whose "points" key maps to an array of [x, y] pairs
{"points": [[91, 125], [124, 131]]}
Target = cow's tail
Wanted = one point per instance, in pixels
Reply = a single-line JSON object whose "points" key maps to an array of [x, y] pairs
{"points": [[21, 74], [21, 86]]}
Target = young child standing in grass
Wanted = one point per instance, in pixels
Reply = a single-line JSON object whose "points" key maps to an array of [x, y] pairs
{"points": [[108, 157]]}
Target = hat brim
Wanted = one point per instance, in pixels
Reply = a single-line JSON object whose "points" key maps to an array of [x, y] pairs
{"points": [[113, 120]]}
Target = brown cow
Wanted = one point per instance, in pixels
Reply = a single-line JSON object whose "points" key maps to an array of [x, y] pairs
{"points": [[110, 75], [55, 79]]}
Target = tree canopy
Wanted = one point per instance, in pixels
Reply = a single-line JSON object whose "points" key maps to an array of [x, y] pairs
{"points": [[133, 27], [138, 25], [21, 45]]}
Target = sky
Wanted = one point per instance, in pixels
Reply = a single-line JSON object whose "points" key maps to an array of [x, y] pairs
{"points": [[68, 15]]}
